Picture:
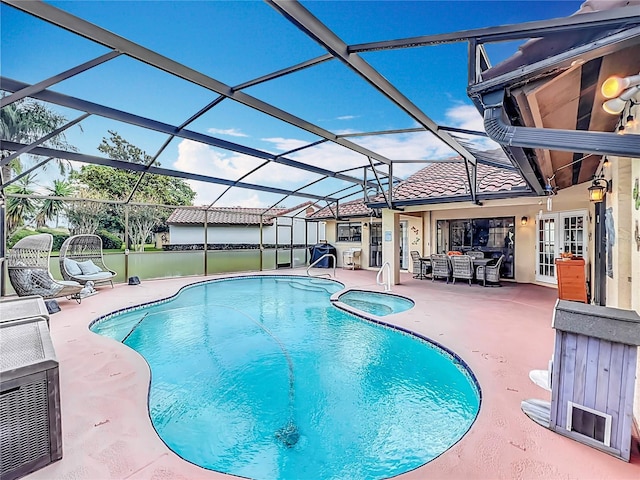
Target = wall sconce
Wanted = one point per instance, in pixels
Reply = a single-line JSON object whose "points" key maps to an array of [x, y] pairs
{"points": [[598, 188], [619, 91], [524, 220], [365, 224]]}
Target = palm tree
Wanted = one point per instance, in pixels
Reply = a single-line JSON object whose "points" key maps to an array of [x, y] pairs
{"points": [[26, 121], [51, 208], [18, 209]]}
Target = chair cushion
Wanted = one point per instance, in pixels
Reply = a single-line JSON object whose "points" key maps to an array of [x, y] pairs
{"points": [[89, 267], [72, 267], [101, 275]]}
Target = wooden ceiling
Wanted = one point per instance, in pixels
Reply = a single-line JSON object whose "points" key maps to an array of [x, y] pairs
{"points": [[572, 101]]}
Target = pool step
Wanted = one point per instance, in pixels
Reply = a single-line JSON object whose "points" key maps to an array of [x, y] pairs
{"points": [[310, 288]]}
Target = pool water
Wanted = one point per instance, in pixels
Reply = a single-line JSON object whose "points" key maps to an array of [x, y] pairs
{"points": [[379, 304], [235, 363]]}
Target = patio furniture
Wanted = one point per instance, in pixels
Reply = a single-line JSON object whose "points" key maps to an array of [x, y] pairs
{"points": [[81, 260], [31, 433], [440, 267], [19, 308], [351, 258], [474, 254], [421, 265], [490, 273], [28, 268], [461, 267]]}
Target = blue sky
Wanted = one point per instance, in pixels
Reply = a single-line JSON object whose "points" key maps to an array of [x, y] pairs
{"points": [[240, 40]]}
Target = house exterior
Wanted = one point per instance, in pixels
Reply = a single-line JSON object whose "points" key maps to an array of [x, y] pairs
{"points": [[241, 228]]}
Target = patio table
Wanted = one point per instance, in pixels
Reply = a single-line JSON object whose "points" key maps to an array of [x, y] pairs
{"points": [[484, 262]]}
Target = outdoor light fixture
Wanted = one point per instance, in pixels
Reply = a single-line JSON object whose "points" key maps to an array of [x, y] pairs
{"points": [[615, 106], [614, 85], [598, 188], [524, 220]]}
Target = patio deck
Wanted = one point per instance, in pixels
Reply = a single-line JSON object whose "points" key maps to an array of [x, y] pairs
{"points": [[501, 333]]}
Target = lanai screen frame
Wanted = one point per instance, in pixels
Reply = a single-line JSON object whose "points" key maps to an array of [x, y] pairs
{"points": [[377, 170]]}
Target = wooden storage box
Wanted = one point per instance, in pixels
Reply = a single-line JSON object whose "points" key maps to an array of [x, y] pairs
{"points": [[572, 284]]}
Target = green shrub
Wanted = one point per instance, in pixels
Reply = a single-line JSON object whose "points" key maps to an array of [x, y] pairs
{"points": [[19, 235], [59, 236], [110, 241]]}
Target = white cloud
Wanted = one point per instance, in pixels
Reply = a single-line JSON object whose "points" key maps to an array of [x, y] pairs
{"points": [[346, 117], [232, 132], [199, 158], [285, 144], [465, 116]]}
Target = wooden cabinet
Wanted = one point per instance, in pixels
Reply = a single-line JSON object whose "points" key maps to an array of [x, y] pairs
{"points": [[572, 284]]}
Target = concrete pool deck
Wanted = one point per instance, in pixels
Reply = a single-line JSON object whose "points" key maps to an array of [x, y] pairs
{"points": [[502, 334]]}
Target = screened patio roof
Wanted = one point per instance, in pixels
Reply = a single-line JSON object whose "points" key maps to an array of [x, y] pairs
{"points": [[315, 65]]}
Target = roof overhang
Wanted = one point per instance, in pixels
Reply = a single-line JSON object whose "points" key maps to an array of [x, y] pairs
{"points": [[546, 111]]}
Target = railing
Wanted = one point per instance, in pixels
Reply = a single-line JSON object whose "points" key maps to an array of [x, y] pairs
{"points": [[318, 260], [380, 277]]}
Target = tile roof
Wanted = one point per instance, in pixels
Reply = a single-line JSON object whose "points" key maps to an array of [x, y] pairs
{"points": [[228, 215], [354, 208], [449, 179]]}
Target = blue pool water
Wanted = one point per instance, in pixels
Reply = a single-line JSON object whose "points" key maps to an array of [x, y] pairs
{"points": [[366, 401], [379, 304]]}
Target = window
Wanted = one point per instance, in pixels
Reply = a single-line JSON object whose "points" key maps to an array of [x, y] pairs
{"points": [[349, 232], [492, 236]]}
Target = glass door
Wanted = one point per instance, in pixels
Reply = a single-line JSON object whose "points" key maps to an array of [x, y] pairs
{"points": [[375, 245], [404, 250], [546, 249], [559, 233]]}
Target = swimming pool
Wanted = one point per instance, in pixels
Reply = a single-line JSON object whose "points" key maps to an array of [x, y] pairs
{"points": [[236, 362], [379, 304]]}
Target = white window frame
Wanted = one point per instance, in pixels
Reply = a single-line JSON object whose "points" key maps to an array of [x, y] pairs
{"points": [[558, 240]]}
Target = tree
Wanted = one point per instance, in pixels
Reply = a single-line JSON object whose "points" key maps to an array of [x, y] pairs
{"points": [[85, 216], [118, 184], [19, 208], [26, 121], [51, 208], [142, 220]]}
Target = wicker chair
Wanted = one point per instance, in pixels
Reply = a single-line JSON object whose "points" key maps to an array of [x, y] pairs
{"points": [[80, 249], [440, 267], [421, 268], [28, 268], [492, 273], [474, 254], [462, 267]]}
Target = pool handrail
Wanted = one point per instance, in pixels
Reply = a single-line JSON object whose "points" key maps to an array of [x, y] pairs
{"points": [[387, 284], [318, 260]]}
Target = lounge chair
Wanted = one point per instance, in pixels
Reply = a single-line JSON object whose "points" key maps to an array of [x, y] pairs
{"points": [[461, 267], [81, 260], [28, 268]]}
